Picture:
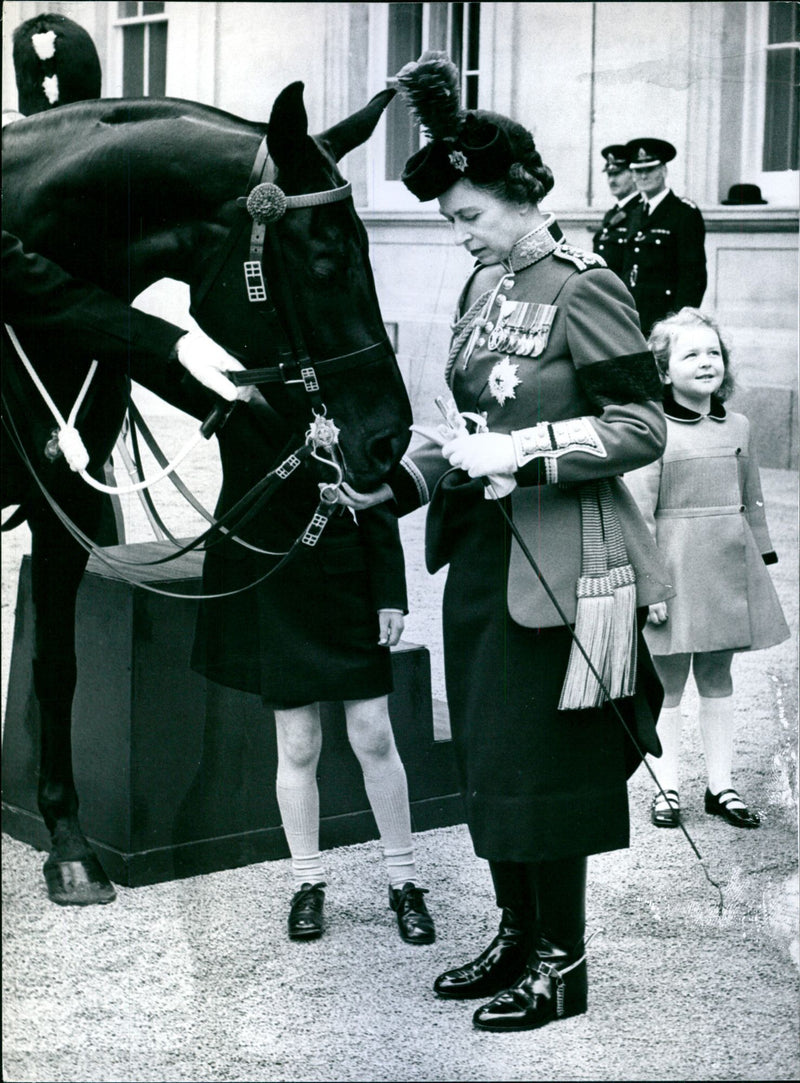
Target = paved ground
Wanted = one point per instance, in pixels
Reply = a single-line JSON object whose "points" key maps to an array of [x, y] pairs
{"points": [[196, 980]]}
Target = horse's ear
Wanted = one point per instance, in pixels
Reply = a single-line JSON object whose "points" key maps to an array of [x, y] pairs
{"points": [[356, 129], [288, 126]]}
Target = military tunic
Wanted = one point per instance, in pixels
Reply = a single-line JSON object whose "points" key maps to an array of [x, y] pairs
{"points": [[533, 777], [665, 261], [609, 241], [702, 501]]}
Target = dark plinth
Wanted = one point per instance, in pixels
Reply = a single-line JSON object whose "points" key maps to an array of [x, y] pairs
{"points": [[176, 775]]}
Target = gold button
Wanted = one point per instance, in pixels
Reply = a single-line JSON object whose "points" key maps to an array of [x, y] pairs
{"points": [[508, 283], [500, 299], [481, 341]]}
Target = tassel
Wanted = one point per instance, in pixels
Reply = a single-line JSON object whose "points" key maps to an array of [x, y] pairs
{"points": [[620, 675], [594, 629]]}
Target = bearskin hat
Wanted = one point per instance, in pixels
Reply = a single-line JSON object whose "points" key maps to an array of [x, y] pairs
{"points": [[55, 62]]}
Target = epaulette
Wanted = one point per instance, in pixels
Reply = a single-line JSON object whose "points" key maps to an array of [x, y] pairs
{"points": [[582, 260], [688, 202]]}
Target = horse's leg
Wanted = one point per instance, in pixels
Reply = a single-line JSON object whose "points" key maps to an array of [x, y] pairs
{"points": [[73, 872]]}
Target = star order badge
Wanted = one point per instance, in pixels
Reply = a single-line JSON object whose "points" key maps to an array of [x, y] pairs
{"points": [[503, 379]]}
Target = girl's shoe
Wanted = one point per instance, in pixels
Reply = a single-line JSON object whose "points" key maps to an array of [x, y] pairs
{"points": [[665, 810], [305, 915], [719, 805]]}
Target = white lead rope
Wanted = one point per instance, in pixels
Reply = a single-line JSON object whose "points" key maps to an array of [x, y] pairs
{"points": [[71, 443]]}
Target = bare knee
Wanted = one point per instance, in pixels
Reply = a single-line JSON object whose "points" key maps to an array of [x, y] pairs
{"points": [[299, 736], [369, 731], [673, 671], [712, 674]]}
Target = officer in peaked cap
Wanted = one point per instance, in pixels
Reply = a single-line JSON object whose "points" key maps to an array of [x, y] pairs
{"points": [[609, 241], [664, 256]]}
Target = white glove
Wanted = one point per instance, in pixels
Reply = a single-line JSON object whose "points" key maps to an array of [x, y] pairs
{"points": [[207, 362], [481, 454]]}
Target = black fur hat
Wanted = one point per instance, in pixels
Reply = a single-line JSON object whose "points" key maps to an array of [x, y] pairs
{"points": [[55, 62], [475, 143]]}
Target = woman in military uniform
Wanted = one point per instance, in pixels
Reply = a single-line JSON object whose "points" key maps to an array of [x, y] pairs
{"points": [[555, 395]]}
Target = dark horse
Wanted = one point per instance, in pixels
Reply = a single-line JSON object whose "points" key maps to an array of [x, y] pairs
{"points": [[123, 193]]}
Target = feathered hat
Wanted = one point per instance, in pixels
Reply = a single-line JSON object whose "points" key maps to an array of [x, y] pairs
{"points": [[472, 143], [55, 62]]}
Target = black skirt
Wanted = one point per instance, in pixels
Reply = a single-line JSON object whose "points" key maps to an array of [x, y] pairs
{"points": [[538, 784]]}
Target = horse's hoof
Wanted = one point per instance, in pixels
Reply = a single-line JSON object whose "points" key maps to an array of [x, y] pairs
{"points": [[78, 883]]}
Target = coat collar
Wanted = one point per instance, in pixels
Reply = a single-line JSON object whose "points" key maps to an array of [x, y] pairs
{"points": [[533, 246], [676, 412]]}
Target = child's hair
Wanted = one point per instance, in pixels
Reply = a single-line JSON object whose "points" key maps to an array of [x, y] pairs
{"points": [[663, 334]]}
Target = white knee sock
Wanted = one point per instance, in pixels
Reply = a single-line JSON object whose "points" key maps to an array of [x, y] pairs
{"points": [[299, 807], [388, 798], [716, 728], [666, 768]]}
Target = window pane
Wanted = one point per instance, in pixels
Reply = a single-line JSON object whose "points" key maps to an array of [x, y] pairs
{"points": [[405, 43], [456, 47], [127, 11], [473, 39], [783, 22], [133, 61], [152, 9], [782, 115], [157, 87], [437, 27]]}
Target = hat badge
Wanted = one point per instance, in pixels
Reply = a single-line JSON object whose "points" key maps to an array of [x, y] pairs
{"points": [[457, 160], [642, 155]]}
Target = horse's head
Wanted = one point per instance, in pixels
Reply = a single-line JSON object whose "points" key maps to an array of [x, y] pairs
{"points": [[310, 315]]}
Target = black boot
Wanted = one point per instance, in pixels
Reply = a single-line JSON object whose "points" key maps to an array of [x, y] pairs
{"points": [[495, 968], [554, 984], [553, 987]]}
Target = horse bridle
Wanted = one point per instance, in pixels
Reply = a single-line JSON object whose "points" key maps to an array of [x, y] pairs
{"points": [[266, 203]]}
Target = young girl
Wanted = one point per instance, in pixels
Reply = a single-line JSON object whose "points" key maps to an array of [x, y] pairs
{"points": [[703, 503]]}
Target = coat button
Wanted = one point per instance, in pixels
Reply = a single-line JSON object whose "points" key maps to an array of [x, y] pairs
{"points": [[481, 341], [500, 299], [636, 249], [508, 283], [738, 451], [489, 326], [668, 293]]}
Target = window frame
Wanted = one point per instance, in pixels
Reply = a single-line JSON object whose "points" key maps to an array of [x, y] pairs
{"points": [[382, 194], [117, 25], [779, 187]]}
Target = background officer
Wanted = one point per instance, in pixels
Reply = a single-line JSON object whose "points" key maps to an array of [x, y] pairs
{"points": [[609, 241], [665, 259]]}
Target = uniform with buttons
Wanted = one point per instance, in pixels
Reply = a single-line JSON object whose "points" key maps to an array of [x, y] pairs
{"points": [[664, 262], [703, 503]]}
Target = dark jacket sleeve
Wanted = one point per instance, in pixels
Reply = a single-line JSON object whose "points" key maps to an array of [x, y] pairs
{"points": [[42, 301], [385, 559]]}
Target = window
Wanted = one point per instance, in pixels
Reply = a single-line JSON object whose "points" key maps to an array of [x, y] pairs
{"points": [[770, 152], [143, 30], [781, 113], [399, 33]]}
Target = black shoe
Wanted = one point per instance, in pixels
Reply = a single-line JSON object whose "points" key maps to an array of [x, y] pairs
{"points": [[305, 916], [666, 813], [499, 966], [552, 987], [719, 805], [413, 919]]}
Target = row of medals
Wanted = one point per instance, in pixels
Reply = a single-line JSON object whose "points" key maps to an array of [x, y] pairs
{"points": [[522, 328]]}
